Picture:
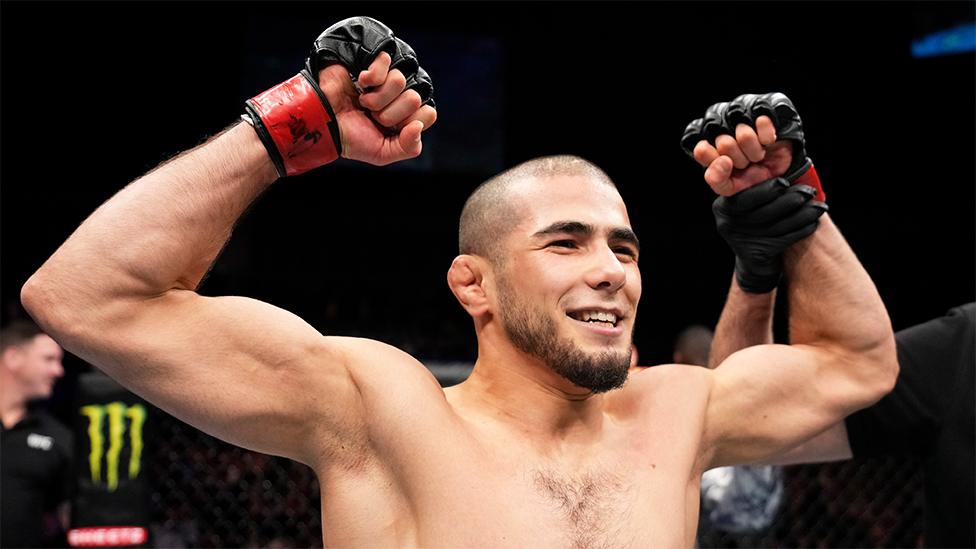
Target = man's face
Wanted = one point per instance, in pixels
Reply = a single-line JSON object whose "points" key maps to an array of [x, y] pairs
{"points": [[38, 366], [568, 291]]}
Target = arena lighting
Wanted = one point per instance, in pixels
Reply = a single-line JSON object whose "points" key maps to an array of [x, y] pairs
{"points": [[955, 40]]}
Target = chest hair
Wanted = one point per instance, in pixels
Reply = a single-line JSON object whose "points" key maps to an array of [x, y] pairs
{"points": [[595, 506]]}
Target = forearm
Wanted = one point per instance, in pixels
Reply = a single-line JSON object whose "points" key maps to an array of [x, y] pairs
{"points": [[746, 320], [160, 233], [833, 302]]}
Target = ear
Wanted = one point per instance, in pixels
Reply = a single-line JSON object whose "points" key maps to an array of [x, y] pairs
{"points": [[12, 357], [465, 278]]}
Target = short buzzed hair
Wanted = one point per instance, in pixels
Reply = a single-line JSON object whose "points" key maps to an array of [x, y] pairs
{"points": [[489, 213], [17, 333]]}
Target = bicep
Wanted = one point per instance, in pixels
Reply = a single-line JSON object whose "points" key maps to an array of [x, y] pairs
{"points": [[239, 369], [767, 399]]}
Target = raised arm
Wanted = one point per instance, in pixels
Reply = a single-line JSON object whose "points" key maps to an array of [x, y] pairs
{"points": [[747, 320], [120, 292], [767, 398]]}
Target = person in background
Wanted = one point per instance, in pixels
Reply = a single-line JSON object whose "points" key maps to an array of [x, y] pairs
{"points": [[35, 462], [693, 345]]}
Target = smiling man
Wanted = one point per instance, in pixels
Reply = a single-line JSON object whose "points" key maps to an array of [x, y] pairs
{"points": [[531, 225], [544, 445]]}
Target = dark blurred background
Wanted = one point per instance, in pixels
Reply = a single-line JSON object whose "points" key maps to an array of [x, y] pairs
{"points": [[95, 94]]}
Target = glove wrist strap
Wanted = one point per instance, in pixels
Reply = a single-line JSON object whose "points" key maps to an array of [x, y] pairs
{"points": [[806, 174], [296, 124]]}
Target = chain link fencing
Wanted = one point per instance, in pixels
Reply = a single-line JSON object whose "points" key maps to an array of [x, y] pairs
{"points": [[207, 493], [856, 503]]}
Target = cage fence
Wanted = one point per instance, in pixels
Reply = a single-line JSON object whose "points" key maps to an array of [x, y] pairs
{"points": [[206, 493]]}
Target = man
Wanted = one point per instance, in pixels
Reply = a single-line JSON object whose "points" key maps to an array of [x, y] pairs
{"points": [[930, 414], [36, 448], [533, 449]]}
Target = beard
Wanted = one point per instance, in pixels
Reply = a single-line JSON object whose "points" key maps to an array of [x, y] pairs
{"points": [[534, 333]]}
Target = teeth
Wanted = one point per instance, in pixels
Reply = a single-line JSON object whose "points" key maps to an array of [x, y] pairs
{"points": [[601, 316]]}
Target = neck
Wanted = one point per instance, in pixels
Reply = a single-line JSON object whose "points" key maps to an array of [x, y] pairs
{"points": [[13, 405], [523, 393]]}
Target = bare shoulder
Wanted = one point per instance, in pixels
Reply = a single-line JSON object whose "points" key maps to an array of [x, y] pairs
{"points": [[666, 406], [694, 378], [393, 388], [675, 386], [379, 369]]}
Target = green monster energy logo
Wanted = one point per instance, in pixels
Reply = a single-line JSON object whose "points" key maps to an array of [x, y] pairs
{"points": [[117, 413]]}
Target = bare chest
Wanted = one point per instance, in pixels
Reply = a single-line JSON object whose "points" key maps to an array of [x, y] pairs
{"points": [[634, 495], [474, 482], [607, 504]]}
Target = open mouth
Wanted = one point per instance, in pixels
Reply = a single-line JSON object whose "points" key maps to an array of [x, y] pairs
{"points": [[598, 318]]}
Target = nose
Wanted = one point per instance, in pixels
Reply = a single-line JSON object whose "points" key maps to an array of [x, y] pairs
{"points": [[57, 369], [606, 272]]}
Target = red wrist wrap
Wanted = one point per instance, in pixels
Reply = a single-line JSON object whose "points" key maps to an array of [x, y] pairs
{"points": [[296, 124], [810, 177]]}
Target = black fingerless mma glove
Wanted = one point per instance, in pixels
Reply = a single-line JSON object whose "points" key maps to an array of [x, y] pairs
{"points": [[722, 118], [760, 222], [294, 119], [355, 42]]}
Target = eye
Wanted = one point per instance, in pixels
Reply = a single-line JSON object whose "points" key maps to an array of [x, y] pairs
{"points": [[626, 251], [563, 244]]}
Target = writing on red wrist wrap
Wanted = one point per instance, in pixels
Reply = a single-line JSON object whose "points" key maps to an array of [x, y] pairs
{"points": [[296, 124]]}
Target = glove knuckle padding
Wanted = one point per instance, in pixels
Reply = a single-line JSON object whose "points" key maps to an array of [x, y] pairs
{"points": [[691, 136], [714, 122], [740, 111], [722, 118], [355, 42], [404, 58], [745, 109], [788, 124], [420, 82]]}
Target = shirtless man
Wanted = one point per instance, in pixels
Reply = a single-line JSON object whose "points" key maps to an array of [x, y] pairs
{"points": [[534, 449]]}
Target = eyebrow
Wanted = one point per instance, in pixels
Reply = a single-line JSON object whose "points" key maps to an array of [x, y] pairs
{"points": [[626, 235], [586, 230]]}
